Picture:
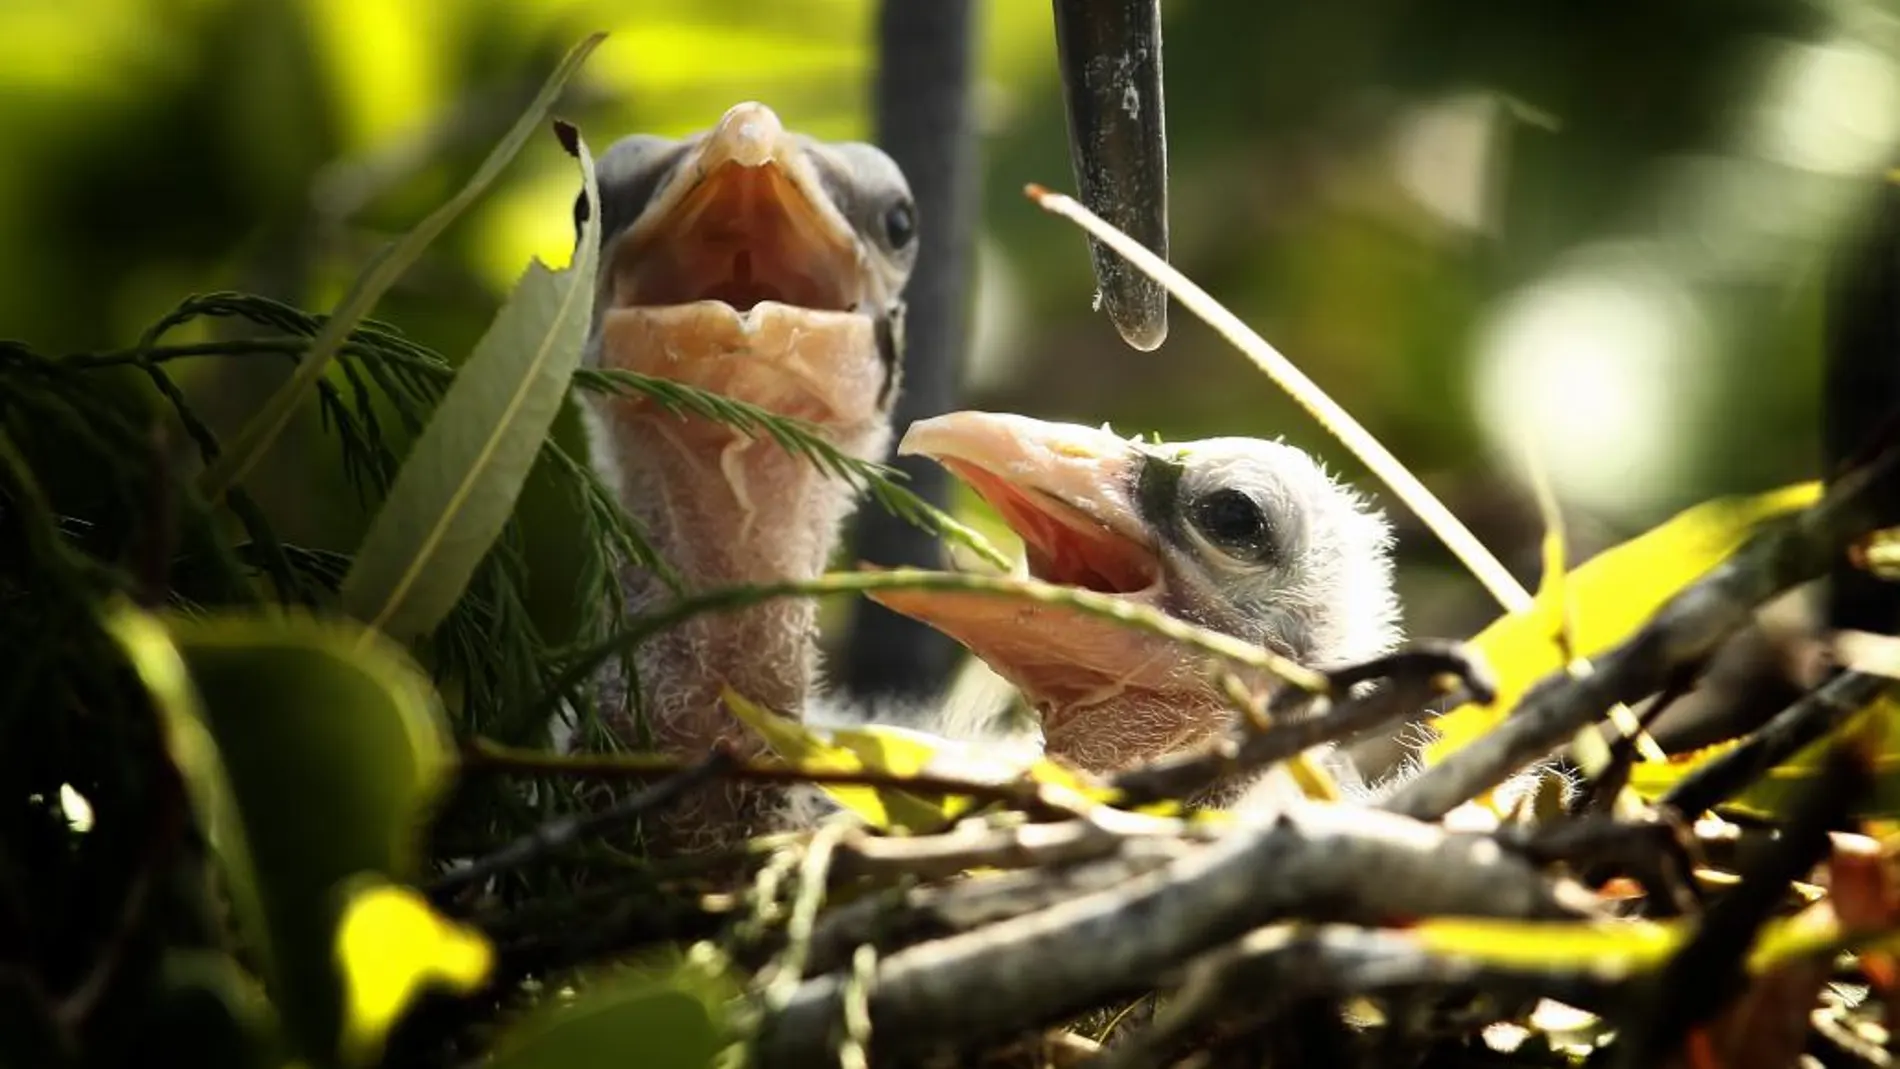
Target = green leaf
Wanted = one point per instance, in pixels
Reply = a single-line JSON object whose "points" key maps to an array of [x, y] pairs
{"points": [[458, 487], [310, 749], [382, 272], [671, 1021]]}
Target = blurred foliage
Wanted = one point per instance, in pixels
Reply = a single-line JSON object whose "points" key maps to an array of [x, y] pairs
{"points": [[1385, 188]]}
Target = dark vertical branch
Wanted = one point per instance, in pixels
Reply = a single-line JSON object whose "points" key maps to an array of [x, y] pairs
{"points": [[924, 120], [1861, 403], [1109, 52]]}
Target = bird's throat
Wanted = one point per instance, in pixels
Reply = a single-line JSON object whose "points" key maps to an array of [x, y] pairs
{"points": [[727, 509]]}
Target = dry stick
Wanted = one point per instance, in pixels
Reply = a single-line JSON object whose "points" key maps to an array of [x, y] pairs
{"points": [[563, 831], [1414, 677], [1273, 970], [1488, 569], [974, 845], [1326, 862], [1701, 976], [1064, 872], [1685, 631]]}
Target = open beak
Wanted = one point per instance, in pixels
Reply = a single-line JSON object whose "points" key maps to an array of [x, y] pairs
{"points": [[741, 276], [1109, 52], [1070, 493]]}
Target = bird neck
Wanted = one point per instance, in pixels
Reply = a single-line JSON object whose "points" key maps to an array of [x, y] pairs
{"points": [[724, 509]]}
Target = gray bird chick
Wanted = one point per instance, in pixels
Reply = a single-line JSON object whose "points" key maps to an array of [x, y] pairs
{"points": [[766, 266]]}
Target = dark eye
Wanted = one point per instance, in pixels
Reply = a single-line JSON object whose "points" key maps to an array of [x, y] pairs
{"points": [[900, 224], [1235, 522]]}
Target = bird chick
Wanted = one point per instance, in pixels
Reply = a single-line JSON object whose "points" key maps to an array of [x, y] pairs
{"points": [[768, 267], [1247, 537]]}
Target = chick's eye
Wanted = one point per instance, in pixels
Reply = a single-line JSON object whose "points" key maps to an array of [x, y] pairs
{"points": [[900, 224], [1235, 522]]}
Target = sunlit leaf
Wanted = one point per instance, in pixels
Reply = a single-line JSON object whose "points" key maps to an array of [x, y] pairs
{"points": [[459, 484], [1606, 948], [311, 749], [898, 752], [1616, 948], [1610, 596], [873, 748], [376, 278], [390, 945]]}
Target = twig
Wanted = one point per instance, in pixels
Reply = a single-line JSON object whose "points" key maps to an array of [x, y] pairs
{"points": [[1322, 862], [1350, 432], [1810, 718], [483, 756], [1414, 677], [1110, 607], [975, 845], [1684, 631], [1656, 854], [1701, 976], [1275, 969], [891, 922], [561, 832], [1599, 796]]}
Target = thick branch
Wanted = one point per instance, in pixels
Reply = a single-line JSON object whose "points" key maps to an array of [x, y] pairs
{"points": [[1324, 863], [1685, 631], [1274, 970]]}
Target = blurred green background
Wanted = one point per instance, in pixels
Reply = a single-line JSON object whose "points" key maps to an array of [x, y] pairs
{"points": [[1603, 226]]}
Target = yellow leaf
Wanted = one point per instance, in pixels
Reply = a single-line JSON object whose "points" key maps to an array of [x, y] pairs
{"points": [[887, 750], [389, 946], [1606, 948], [899, 752], [1609, 597], [1768, 796]]}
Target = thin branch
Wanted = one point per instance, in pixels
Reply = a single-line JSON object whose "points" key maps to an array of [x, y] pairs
{"points": [[974, 845], [1808, 720], [1414, 678], [1708, 969], [1684, 631], [1104, 606], [564, 831], [484, 757], [891, 922], [1351, 433], [1323, 862]]}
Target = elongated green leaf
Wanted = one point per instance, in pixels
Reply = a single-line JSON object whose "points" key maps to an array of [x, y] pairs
{"points": [[459, 484], [382, 272], [310, 749]]}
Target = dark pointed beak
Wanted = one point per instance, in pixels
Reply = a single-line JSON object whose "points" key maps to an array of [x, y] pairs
{"points": [[1109, 52]]}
